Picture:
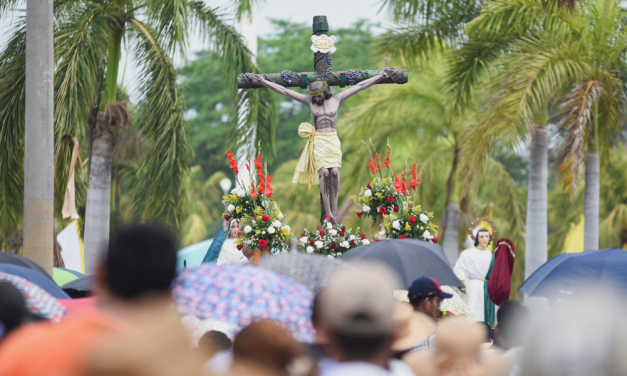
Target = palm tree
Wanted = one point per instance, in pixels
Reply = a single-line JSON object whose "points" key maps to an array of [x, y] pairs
{"points": [[416, 115], [574, 59], [89, 37]]}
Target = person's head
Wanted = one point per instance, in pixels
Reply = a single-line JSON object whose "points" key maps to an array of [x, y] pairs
{"points": [[425, 295], [234, 229], [12, 308], [487, 330], [319, 91], [140, 262], [266, 345], [357, 312], [483, 238], [213, 342], [513, 320]]}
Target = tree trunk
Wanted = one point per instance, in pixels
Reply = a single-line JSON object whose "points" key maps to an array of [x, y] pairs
{"points": [[39, 134], [536, 220], [98, 211], [591, 203], [451, 233]]}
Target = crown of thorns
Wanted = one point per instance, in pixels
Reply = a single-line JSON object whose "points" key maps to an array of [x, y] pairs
{"points": [[314, 93]]}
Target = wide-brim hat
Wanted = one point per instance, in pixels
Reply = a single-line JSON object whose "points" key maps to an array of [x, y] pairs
{"points": [[412, 328]]}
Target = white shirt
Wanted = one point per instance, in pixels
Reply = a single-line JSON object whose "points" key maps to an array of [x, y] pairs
{"points": [[396, 367], [471, 268]]}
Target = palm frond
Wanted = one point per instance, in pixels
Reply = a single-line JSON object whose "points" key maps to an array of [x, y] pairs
{"points": [[244, 8], [575, 114], [425, 11], [81, 41], [158, 191], [260, 116], [12, 110], [169, 18], [6, 6]]}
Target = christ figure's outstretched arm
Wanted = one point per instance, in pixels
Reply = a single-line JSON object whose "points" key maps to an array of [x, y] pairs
{"points": [[383, 74], [302, 98]]}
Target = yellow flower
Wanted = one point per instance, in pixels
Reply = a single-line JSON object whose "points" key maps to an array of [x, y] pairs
{"points": [[407, 227], [238, 209], [258, 232], [285, 232], [379, 195], [431, 214], [422, 228]]}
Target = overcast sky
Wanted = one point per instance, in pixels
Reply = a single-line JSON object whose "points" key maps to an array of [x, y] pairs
{"points": [[340, 13]]}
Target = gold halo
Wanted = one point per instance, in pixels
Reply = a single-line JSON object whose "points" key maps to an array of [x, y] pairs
{"points": [[317, 92], [482, 219]]}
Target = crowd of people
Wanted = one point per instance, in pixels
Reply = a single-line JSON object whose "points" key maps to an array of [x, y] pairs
{"points": [[361, 329]]}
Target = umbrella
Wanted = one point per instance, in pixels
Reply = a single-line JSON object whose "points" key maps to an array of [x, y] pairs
{"points": [[32, 276], [455, 305], [410, 258], [312, 271], [538, 276], [581, 272], [37, 299], [9, 258], [239, 295], [62, 276], [80, 287]]}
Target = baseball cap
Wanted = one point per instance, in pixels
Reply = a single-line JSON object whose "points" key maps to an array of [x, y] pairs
{"points": [[425, 287], [359, 301]]}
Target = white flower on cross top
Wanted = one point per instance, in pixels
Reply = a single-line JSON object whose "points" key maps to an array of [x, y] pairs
{"points": [[248, 229], [310, 249], [333, 232], [367, 193], [424, 218], [366, 208], [230, 208], [270, 230], [396, 225]]}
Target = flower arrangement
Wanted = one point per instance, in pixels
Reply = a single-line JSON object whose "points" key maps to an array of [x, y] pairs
{"points": [[264, 230], [384, 195], [411, 223], [246, 199], [330, 240], [262, 223]]}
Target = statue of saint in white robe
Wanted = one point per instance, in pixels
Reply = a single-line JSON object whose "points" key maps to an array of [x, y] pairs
{"points": [[471, 268]]}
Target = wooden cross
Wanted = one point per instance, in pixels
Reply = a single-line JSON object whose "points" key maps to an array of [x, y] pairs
{"points": [[337, 78]]}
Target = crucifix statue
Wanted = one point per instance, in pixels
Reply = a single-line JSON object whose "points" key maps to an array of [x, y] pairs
{"points": [[321, 160]]}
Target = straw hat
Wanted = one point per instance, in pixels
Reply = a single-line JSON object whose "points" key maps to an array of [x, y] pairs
{"points": [[412, 328]]}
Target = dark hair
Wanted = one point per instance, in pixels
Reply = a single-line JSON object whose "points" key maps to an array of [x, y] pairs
{"points": [[215, 340], [477, 236], [12, 307], [141, 260], [416, 301], [513, 320], [488, 330], [358, 347]]}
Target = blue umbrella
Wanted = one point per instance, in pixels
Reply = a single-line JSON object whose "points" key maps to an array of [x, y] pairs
{"points": [[569, 275], [36, 278], [538, 276]]}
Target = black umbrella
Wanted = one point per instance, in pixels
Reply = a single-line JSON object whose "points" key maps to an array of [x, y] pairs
{"points": [[9, 258], [410, 258], [80, 287]]}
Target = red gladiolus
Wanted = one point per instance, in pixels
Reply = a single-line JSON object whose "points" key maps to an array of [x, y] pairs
{"points": [[321, 233], [402, 237], [232, 162], [253, 194], [265, 218], [436, 239], [259, 164], [396, 209], [414, 182], [359, 213], [399, 185], [262, 243], [412, 219], [227, 217], [390, 199], [333, 246], [382, 210], [342, 234], [311, 242], [240, 246], [362, 236], [387, 159]]}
